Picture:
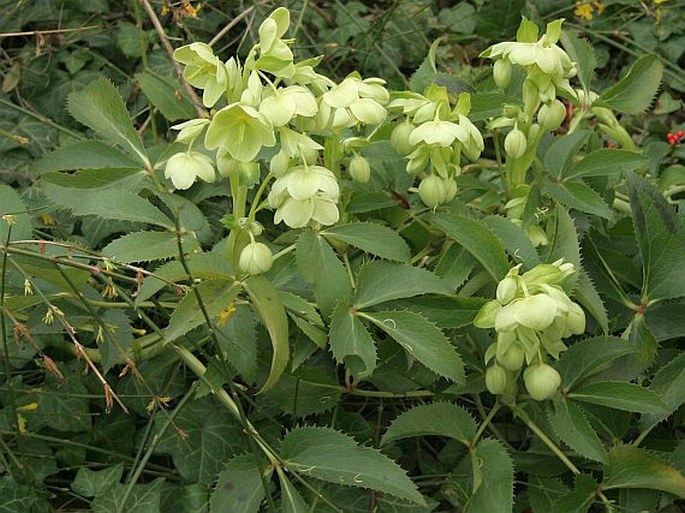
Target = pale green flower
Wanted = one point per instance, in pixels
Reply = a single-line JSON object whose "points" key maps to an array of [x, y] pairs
{"points": [[184, 168], [439, 133], [275, 55], [241, 131], [286, 103], [354, 101], [203, 70]]}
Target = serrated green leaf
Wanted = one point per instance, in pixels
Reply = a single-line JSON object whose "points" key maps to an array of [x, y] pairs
{"points": [[267, 303], [217, 295], [559, 156], [633, 94], [589, 357], [445, 311], [238, 341], [661, 237], [85, 155], [669, 384], [351, 343], [580, 499], [455, 266], [515, 240], [373, 238], [581, 53], [319, 265], [213, 436], [478, 240], [422, 340], [74, 183], [144, 498], [12, 204], [605, 162], [91, 483], [167, 96], [570, 424], [100, 107], [239, 487], [291, 500], [108, 204], [148, 246], [114, 348], [630, 467], [379, 282], [563, 243], [331, 456], [579, 196], [495, 470], [131, 39], [620, 395], [440, 419], [585, 293]]}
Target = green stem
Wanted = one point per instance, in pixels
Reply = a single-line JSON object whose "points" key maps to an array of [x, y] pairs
{"points": [[486, 422]]}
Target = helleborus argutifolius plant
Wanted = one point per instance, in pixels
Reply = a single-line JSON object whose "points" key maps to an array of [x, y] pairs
{"points": [[531, 316]]}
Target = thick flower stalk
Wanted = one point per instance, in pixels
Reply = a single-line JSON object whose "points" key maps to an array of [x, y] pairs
{"points": [[531, 316]]}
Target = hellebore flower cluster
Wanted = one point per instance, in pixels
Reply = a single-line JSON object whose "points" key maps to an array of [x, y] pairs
{"points": [[531, 316]]}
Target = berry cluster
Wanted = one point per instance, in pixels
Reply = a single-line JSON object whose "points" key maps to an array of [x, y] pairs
{"points": [[674, 138]]}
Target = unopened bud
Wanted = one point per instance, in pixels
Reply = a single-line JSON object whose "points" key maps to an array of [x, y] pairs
{"points": [[512, 358], [515, 143], [542, 381], [506, 290], [432, 191], [495, 379], [359, 168], [255, 258], [551, 115], [501, 72], [399, 138]]}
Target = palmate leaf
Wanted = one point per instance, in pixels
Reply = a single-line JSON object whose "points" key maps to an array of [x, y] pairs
{"points": [[660, 235], [631, 467], [332, 456], [494, 471], [373, 238], [91, 483], [379, 282], [213, 436], [239, 487], [100, 107], [16, 497], [440, 418], [571, 425], [634, 93], [421, 339], [144, 498]]}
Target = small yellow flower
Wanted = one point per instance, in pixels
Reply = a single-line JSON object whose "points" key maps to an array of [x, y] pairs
{"points": [[600, 6], [584, 10], [225, 315]]}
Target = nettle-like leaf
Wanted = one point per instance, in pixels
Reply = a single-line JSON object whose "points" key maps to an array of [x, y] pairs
{"points": [[379, 282], [85, 155], [633, 94], [660, 235], [570, 424], [239, 488], [477, 239], [604, 162], [563, 243], [586, 294], [620, 395], [421, 339], [631, 467], [373, 238], [582, 54], [579, 196], [589, 357], [669, 384], [493, 475], [291, 500], [440, 418], [351, 342], [148, 246], [334, 457], [100, 107], [559, 156], [515, 240], [580, 498]]}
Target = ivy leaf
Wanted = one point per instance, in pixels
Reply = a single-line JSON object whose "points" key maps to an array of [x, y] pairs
{"points": [[421, 339], [147, 246], [633, 94], [379, 282], [373, 238], [142, 499], [477, 239], [351, 343], [631, 467], [661, 238], [494, 471], [212, 436], [19, 497], [570, 424], [331, 456], [267, 303], [91, 483], [669, 384], [441, 419], [100, 107], [620, 395], [239, 488]]}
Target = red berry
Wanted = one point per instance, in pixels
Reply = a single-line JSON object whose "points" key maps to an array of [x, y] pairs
{"points": [[680, 134]]}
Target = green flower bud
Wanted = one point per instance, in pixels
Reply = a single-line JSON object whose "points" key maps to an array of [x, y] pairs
{"points": [[542, 381], [432, 191], [399, 138], [551, 115], [515, 143], [450, 189], [512, 358], [486, 315], [506, 290], [255, 258], [495, 379], [501, 72], [359, 169], [537, 235], [575, 320]]}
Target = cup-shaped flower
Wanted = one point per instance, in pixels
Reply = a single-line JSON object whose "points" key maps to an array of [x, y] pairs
{"points": [[507, 290], [542, 381], [275, 54], [203, 70], [354, 101], [438, 133], [536, 312], [473, 145], [241, 131], [286, 103], [255, 258], [184, 168], [512, 358]]}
